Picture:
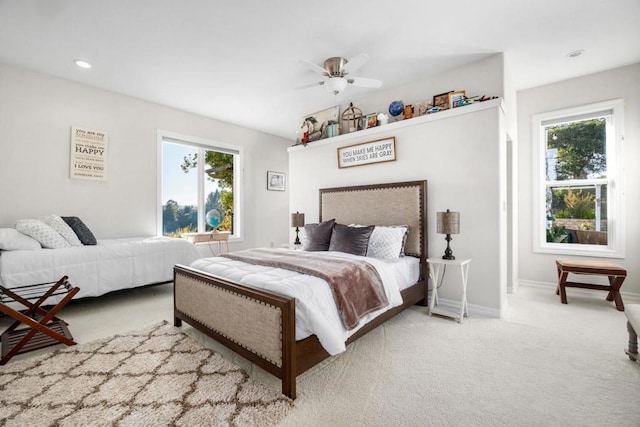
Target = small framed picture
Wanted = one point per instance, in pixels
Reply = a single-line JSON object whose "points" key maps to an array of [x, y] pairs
{"points": [[371, 120], [456, 98], [275, 181], [442, 100]]}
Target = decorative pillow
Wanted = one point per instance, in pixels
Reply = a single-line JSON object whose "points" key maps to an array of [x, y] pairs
{"points": [[13, 240], [82, 231], [58, 224], [387, 242], [352, 240], [47, 236], [318, 236]]}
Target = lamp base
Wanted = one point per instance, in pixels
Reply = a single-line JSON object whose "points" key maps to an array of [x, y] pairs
{"points": [[448, 253], [297, 242]]}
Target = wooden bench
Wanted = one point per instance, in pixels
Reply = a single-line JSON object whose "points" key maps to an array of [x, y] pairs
{"points": [[614, 272]]}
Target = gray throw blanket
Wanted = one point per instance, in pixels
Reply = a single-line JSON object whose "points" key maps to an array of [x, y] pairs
{"points": [[356, 285]]}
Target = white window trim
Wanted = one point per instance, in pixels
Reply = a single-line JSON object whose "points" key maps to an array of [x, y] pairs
{"points": [[238, 167], [615, 174]]}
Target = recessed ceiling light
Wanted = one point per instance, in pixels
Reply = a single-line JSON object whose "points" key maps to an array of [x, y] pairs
{"points": [[575, 53], [82, 63]]}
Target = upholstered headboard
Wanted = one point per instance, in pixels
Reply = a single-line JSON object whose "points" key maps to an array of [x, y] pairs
{"points": [[402, 203]]}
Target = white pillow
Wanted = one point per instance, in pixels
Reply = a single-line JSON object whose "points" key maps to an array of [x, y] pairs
{"points": [[47, 236], [13, 240], [57, 223], [387, 242]]}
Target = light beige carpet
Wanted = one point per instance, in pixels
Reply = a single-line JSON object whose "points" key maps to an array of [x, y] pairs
{"points": [[153, 377]]}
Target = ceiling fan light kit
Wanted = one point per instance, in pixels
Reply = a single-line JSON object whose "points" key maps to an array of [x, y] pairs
{"points": [[336, 84]]}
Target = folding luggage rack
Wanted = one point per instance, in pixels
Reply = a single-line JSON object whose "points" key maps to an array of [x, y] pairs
{"points": [[43, 328]]}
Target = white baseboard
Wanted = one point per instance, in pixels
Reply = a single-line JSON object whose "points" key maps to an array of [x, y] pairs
{"points": [[474, 309], [630, 297]]}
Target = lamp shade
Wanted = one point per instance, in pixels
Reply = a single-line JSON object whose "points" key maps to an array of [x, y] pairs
{"points": [[297, 219], [448, 222]]}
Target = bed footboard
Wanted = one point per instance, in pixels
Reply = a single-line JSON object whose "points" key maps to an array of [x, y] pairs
{"points": [[257, 325]]}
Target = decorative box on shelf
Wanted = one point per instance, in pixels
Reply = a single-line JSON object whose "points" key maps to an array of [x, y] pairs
{"points": [[220, 236], [212, 237]]}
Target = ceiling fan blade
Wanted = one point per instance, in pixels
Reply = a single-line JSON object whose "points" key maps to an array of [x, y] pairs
{"points": [[309, 85], [365, 82], [356, 62], [315, 67]]}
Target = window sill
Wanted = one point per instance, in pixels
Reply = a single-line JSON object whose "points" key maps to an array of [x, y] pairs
{"points": [[596, 251]]}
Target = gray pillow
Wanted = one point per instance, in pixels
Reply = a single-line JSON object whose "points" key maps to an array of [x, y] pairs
{"points": [[318, 236], [352, 240], [82, 231]]}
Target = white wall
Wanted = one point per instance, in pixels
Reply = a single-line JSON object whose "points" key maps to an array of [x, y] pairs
{"points": [[36, 115], [618, 83], [483, 77], [460, 158]]}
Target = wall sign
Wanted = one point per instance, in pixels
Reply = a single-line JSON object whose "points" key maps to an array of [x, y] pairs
{"points": [[381, 150], [88, 154]]}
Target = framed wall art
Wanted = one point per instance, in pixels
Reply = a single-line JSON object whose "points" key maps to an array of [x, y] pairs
{"points": [[89, 149], [276, 181], [364, 153]]}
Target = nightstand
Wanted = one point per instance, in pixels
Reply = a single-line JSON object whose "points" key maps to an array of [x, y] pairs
{"points": [[292, 246], [436, 265]]}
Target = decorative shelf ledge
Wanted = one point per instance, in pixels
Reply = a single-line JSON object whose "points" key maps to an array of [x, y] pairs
{"points": [[472, 108]]}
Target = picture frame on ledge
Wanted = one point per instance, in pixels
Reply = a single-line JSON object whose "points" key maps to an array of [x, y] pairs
{"points": [[316, 126], [276, 181], [456, 98], [442, 100], [371, 120]]}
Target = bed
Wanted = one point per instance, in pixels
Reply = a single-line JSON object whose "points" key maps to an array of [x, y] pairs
{"points": [[111, 265], [261, 325]]}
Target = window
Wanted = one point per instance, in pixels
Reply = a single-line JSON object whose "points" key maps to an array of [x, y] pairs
{"points": [[199, 186], [578, 191]]}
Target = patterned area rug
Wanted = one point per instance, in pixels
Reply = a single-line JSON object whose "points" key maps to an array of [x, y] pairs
{"points": [[154, 377]]}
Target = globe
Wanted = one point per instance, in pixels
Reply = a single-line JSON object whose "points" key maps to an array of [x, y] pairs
{"points": [[395, 108], [213, 218]]}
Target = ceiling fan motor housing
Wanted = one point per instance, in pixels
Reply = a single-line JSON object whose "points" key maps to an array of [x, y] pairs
{"points": [[335, 66]]}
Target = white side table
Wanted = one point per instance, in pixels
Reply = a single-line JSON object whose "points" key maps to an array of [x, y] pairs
{"points": [[292, 246], [436, 265]]}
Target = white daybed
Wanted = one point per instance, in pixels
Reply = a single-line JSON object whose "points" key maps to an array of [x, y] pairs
{"points": [[111, 265]]}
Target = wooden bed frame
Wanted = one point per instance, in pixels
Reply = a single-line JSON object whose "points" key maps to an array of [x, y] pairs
{"points": [[260, 326]]}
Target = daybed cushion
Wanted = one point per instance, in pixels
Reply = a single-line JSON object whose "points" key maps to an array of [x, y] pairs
{"points": [[13, 240], [58, 224], [318, 236], [351, 240], [82, 231], [47, 236]]}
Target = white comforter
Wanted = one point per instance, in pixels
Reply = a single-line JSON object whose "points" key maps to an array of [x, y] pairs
{"points": [[110, 265], [316, 312]]}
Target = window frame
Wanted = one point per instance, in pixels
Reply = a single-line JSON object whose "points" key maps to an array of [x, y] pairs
{"points": [[615, 189], [205, 144]]}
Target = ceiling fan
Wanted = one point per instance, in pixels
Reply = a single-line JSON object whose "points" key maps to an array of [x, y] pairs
{"points": [[337, 71]]}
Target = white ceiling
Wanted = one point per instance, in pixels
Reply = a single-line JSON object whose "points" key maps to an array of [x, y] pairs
{"points": [[239, 61]]}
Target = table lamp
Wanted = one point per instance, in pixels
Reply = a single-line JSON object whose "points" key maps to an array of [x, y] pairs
{"points": [[448, 223], [297, 221]]}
